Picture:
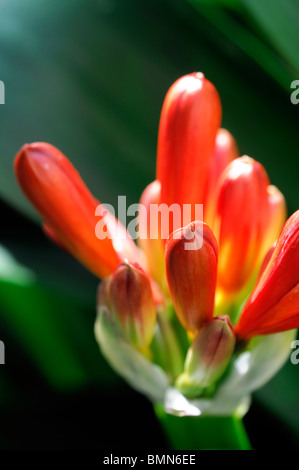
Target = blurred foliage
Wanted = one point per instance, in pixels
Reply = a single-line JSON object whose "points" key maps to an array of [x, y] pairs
{"points": [[90, 77]]}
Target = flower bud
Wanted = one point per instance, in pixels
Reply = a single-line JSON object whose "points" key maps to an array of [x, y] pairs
{"points": [[131, 303], [149, 240], [241, 221], [190, 119], [276, 219], [225, 152], [274, 303], [68, 209], [191, 268], [208, 356]]}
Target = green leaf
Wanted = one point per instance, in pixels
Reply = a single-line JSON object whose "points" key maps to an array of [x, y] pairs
{"points": [[279, 20], [233, 4], [51, 329], [245, 39]]}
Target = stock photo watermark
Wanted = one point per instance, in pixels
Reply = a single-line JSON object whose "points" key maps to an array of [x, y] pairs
{"points": [[295, 354], [295, 95], [2, 353], [2, 92], [157, 220]]}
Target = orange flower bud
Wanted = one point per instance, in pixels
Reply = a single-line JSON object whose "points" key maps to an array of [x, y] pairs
{"points": [[131, 303], [208, 356], [190, 119], [241, 221], [276, 219], [68, 209], [149, 240], [274, 303], [225, 151], [191, 268]]}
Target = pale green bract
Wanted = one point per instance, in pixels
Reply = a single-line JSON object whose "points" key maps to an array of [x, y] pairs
{"points": [[248, 371], [136, 369]]}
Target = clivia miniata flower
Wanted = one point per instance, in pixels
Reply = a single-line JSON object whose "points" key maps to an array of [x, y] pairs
{"points": [[158, 320]]}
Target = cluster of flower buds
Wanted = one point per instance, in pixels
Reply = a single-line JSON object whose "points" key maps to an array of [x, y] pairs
{"points": [[200, 312]]}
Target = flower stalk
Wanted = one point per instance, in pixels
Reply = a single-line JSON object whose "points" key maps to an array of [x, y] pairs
{"points": [[203, 433]]}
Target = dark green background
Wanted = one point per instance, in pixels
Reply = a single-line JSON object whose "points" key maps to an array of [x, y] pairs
{"points": [[90, 77]]}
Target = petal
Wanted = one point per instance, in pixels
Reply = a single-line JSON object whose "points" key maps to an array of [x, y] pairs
{"points": [[266, 260], [66, 206], [289, 304], [191, 267], [274, 303], [190, 119], [241, 221]]}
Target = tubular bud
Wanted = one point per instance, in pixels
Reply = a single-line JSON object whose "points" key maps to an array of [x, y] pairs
{"points": [[208, 356], [68, 209], [241, 221], [276, 219], [225, 151], [274, 303], [191, 268], [130, 302], [190, 119], [149, 240]]}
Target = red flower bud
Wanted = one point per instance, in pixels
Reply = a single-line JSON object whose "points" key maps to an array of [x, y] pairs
{"points": [[276, 219], [274, 303], [130, 301], [149, 240], [190, 119], [208, 356], [191, 268], [225, 152], [68, 209], [242, 216]]}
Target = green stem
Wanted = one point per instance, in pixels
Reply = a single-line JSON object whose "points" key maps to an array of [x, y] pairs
{"points": [[203, 432], [168, 347]]}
